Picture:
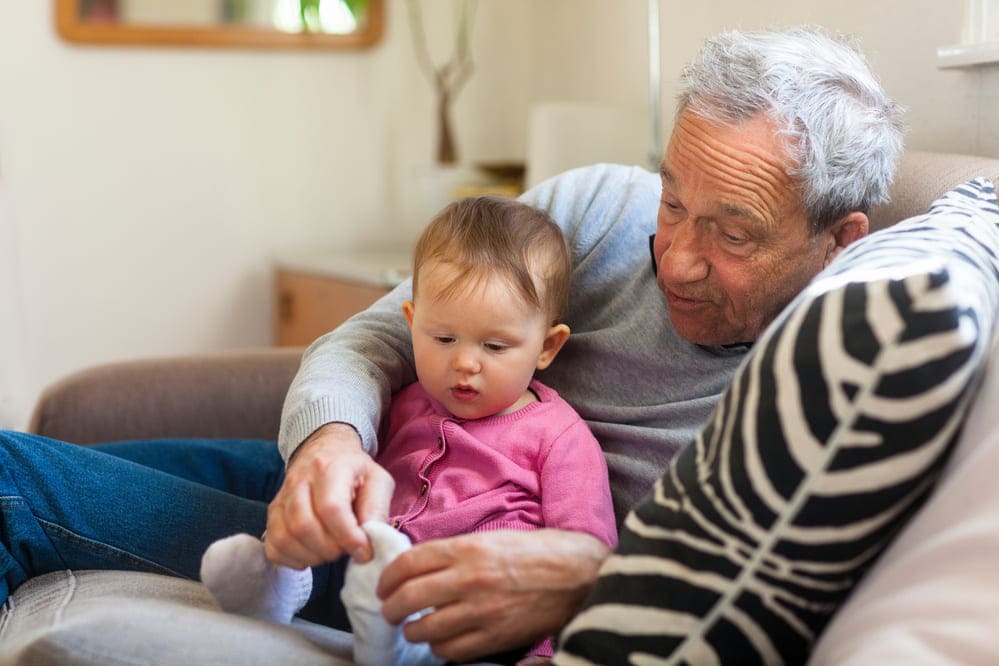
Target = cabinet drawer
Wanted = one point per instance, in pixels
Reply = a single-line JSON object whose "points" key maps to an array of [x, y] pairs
{"points": [[309, 306]]}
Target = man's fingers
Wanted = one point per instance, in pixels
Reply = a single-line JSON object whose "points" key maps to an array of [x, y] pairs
{"points": [[294, 535], [374, 498], [460, 632], [333, 503], [418, 578], [306, 524], [454, 636], [469, 646], [409, 564], [443, 624], [312, 519], [292, 555], [318, 509]]}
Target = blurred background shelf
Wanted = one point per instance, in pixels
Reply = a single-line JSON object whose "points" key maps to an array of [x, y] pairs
{"points": [[316, 291]]}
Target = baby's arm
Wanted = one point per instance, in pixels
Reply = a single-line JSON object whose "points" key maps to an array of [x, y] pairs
{"points": [[575, 490]]}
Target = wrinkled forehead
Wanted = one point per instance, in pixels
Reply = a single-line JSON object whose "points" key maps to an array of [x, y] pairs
{"points": [[746, 165]]}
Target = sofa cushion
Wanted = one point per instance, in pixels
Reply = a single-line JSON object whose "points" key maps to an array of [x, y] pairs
{"points": [[96, 618], [831, 434], [118, 617]]}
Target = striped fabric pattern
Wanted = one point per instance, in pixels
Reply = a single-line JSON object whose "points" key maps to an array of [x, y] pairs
{"points": [[830, 436]]}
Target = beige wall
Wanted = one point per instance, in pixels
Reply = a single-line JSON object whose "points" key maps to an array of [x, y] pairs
{"points": [[144, 192], [586, 51]]}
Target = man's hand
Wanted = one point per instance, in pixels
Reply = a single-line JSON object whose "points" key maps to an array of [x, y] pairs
{"points": [[491, 591], [331, 486]]}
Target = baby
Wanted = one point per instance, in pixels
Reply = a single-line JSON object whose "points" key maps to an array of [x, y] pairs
{"points": [[476, 443]]}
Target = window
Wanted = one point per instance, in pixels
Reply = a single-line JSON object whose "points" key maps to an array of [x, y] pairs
{"points": [[979, 37]]}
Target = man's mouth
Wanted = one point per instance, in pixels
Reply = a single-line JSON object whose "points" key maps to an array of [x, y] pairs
{"points": [[680, 301]]}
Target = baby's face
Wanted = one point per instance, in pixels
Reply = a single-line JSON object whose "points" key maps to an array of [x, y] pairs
{"points": [[476, 351]]}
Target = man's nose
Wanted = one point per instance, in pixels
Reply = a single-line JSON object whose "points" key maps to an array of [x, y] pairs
{"points": [[684, 258]]}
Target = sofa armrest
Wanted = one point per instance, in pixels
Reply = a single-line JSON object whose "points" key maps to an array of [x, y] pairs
{"points": [[923, 177], [232, 394]]}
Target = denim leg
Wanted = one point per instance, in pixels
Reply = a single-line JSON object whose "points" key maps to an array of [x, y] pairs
{"points": [[325, 606], [252, 469], [70, 507]]}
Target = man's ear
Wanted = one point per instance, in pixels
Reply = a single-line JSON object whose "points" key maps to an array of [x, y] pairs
{"points": [[849, 228], [407, 310], [554, 339]]}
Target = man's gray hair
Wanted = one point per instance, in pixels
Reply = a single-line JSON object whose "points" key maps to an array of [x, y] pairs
{"points": [[843, 131]]}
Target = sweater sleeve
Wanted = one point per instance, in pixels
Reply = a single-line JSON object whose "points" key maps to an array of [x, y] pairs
{"points": [[349, 375], [575, 491]]}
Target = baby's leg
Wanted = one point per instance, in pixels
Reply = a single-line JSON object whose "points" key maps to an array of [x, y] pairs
{"points": [[243, 581], [376, 642]]}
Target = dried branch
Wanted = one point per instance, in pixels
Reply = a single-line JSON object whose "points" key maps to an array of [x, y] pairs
{"points": [[448, 79]]}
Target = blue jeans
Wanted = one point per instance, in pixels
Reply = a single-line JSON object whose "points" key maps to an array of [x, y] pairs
{"points": [[151, 506]]}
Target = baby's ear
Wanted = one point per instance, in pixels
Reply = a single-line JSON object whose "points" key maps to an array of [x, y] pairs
{"points": [[407, 310], [554, 339]]}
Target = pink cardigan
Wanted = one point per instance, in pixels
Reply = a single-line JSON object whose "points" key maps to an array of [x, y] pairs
{"points": [[537, 467]]}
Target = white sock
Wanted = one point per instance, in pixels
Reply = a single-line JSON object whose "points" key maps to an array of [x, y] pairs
{"points": [[243, 581], [376, 642]]}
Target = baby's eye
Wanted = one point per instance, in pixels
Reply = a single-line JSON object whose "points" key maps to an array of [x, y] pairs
{"points": [[492, 346], [444, 339]]}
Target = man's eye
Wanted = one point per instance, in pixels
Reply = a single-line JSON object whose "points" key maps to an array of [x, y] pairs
{"points": [[731, 236], [671, 206]]}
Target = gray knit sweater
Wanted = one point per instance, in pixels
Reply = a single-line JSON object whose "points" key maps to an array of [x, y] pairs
{"points": [[644, 391]]}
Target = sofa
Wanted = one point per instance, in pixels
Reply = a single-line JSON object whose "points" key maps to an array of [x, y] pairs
{"points": [[102, 617]]}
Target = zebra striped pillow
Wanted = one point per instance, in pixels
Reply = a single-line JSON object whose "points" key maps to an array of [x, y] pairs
{"points": [[831, 434]]}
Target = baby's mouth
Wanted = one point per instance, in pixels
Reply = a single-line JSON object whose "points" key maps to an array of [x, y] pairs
{"points": [[464, 393]]}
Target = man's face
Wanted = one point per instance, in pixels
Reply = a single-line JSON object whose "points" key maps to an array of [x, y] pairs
{"points": [[733, 245]]}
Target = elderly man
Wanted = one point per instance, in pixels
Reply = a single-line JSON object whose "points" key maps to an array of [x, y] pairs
{"points": [[782, 144]]}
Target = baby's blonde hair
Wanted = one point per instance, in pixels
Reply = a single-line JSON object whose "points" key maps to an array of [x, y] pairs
{"points": [[489, 236]]}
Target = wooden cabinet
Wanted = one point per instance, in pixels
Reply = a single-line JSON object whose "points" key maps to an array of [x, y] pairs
{"points": [[316, 292]]}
